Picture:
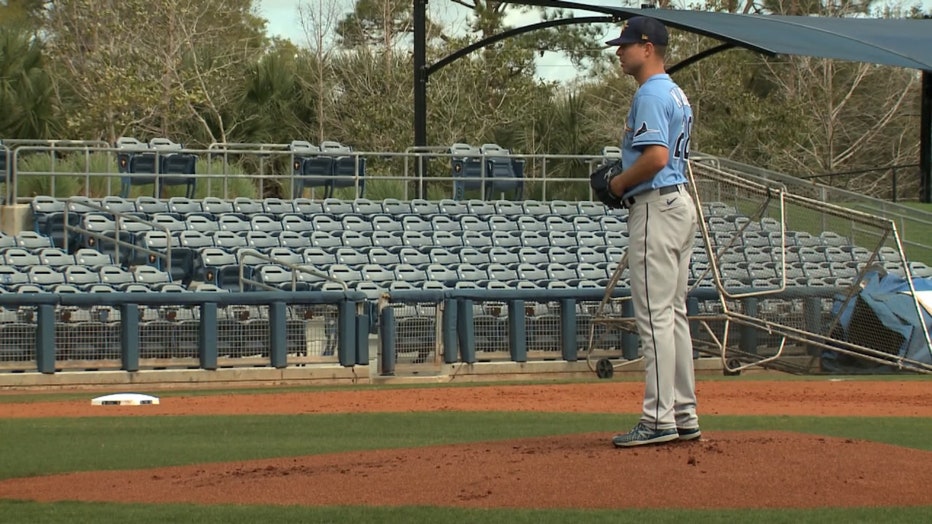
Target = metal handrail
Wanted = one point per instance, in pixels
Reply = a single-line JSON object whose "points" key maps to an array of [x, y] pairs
{"points": [[295, 269]]}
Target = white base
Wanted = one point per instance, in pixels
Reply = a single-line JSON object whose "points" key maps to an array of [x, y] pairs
{"points": [[125, 399]]}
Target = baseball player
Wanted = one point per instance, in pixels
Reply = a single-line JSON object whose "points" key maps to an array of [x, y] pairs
{"points": [[650, 181]]}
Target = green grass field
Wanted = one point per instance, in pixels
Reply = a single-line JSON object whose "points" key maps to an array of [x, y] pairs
{"points": [[46, 446]]}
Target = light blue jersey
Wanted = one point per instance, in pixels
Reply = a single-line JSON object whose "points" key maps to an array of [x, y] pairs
{"points": [[660, 114]]}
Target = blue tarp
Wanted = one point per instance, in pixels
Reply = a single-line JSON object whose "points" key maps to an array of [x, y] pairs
{"points": [[883, 317]]}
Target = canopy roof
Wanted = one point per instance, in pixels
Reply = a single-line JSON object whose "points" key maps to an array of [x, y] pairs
{"points": [[894, 42]]}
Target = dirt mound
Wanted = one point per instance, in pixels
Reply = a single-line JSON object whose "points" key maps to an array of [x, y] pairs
{"points": [[723, 470]]}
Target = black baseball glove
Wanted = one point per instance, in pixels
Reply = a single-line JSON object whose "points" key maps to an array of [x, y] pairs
{"points": [[600, 182]]}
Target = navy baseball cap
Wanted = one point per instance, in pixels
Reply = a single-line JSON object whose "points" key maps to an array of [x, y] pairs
{"points": [[641, 29]]}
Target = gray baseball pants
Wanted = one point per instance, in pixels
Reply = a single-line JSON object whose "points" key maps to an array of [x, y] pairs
{"points": [[661, 228]]}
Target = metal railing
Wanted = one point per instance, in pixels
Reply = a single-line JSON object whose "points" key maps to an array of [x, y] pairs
{"points": [[245, 282]]}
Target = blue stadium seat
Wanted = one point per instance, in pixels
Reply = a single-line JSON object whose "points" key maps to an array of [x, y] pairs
{"points": [[140, 163], [49, 219], [348, 169], [489, 168], [310, 168]]}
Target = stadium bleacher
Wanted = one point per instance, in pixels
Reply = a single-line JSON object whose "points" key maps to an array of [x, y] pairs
{"points": [[422, 243]]}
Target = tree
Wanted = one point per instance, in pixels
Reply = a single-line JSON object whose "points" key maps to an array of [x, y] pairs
{"points": [[28, 106], [134, 66]]}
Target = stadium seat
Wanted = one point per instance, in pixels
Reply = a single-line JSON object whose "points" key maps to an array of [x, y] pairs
{"points": [[350, 257], [54, 257], [382, 257], [92, 258], [277, 207], [506, 239], [501, 255], [326, 223], [216, 206], [365, 207], [201, 223], [439, 255], [307, 206], [318, 257], [535, 239], [488, 168], [265, 223], [529, 255], [395, 239], [416, 223], [19, 257], [508, 208], [502, 223], [32, 240], [453, 208], [410, 255], [261, 240], [536, 208], [234, 223], [228, 239], [325, 240], [45, 276], [283, 255], [80, 276], [424, 207], [292, 240], [439, 272], [444, 239], [348, 169], [386, 223], [248, 206]]}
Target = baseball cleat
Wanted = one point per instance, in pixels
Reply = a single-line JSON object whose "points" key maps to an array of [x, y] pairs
{"points": [[688, 433], [642, 435]]}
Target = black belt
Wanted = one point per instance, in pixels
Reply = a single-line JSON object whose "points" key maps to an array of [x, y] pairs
{"points": [[666, 190]]}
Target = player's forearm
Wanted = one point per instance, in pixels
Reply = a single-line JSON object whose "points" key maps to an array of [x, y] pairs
{"points": [[651, 161]]}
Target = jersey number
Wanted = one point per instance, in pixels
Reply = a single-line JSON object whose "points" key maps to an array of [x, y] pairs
{"points": [[681, 148]]}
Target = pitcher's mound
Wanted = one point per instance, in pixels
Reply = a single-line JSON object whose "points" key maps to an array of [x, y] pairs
{"points": [[725, 469]]}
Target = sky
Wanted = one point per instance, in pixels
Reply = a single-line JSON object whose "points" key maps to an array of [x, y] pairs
{"points": [[283, 20]]}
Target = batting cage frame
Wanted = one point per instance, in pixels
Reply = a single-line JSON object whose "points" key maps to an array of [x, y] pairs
{"points": [[745, 309]]}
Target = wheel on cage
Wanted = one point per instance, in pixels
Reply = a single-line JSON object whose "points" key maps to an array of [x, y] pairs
{"points": [[604, 368], [732, 363]]}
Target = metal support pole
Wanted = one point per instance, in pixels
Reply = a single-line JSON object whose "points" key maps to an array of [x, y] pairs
{"points": [[925, 139], [420, 73], [278, 335], [129, 320], [207, 334], [812, 317], [466, 330], [517, 331], [346, 329], [568, 336], [450, 335], [45, 338], [747, 335], [387, 334]]}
